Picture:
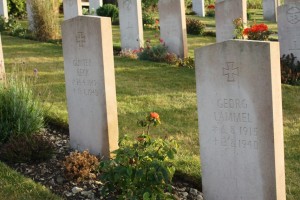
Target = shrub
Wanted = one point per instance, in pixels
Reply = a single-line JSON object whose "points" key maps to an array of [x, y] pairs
{"points": [[194, 26], [155, 53], [108, 10], [238, 28], [16, 8], [80, 166], [210, 10], [45, 19], [148, 18], [290, 70], [32, 148], [128, 53], [257, 32], [186, 63], [142, 168], [21, 112]]}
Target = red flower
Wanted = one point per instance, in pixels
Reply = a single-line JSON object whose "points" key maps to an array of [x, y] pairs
{"points": [[246, 31], [154, 115], [211, 6], [161, 40]]}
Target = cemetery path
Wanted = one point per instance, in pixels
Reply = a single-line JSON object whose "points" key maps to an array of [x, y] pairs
{"points": [[51, 174]]}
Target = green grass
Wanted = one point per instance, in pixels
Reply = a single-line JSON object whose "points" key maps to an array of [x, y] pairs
{"points": [[16, 187], [147, 86]]}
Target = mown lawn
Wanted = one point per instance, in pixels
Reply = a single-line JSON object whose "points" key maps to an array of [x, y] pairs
{"points": [[147, 86]]}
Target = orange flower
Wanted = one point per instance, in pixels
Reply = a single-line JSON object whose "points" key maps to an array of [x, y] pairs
{"points": [[154, 115], [211, 6]]}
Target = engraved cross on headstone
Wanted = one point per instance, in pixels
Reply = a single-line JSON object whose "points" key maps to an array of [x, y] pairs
{"points": [[80, 39], [230, 71]]}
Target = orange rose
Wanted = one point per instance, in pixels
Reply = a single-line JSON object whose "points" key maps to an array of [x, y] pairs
{"points": [[154, 115]]}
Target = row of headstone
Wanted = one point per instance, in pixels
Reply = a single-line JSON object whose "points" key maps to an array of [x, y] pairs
{"points": [[239, 108], [3, 9], [172, 25], [2, 67]]}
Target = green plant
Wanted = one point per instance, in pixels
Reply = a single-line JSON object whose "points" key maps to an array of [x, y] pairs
{"points": [[45, 19], [290, 69], [128, 53], [238, 28], [194, 26], [148, 18], [21, 112], [31, 148], [141, 168], [16, 8], [186, 63], [108, 10], [210, 10], [85, 11], [80, 166], [257, 32], [155, 53]]}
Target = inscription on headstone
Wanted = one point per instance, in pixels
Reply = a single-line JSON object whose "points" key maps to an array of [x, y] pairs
{"points": [[90, 84], [131, 24], [240, 121], [173, 26], [289, 29]]}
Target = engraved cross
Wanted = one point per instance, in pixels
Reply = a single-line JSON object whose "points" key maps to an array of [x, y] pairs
{"points": [[80, 39], [230, 71]]}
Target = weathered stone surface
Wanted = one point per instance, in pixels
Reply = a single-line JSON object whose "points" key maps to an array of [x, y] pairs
{"points": [[240, 120], [198, 7], [72, 8], [3, 9], [131, 24], [90, 84], [29, 14], [173, 26], [270, 9], [289, 29], [226, 12]]}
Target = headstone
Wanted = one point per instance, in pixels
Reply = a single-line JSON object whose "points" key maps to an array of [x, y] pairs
{"points": [[72, 8], [240, 120], [226, 12], [291, 1], [94, 5], [2, 67], [270, 9], [198, 7], [131, 24], [173, 26], [289, 29], [3, 9], [90, 84], [29, 15]]}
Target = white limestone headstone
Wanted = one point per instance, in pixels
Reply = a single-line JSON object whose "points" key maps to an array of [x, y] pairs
{"points": [[3, 9], [270, 9], [198, 7], [226, 12], [90, 84], [2, 67], [240, 120], [29, 15], [173, 26], [290, 1], [72, 8], [289, 29], [131, 24], [94, 5]]}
